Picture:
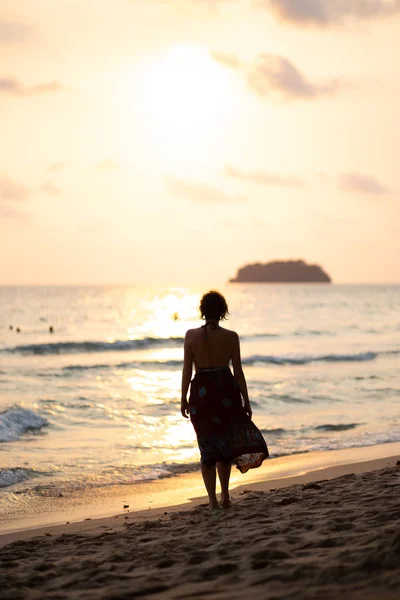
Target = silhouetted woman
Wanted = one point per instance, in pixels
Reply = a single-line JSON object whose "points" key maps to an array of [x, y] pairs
{"points": [[222, 421]]}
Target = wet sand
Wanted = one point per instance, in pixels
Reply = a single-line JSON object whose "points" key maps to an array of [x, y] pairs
{"points": [[45, 509], [331, 533]]}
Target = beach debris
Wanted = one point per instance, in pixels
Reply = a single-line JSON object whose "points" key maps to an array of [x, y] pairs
{"points": [[289, 500], [51, 329], [311, 486], [18, 330], [175, 316], [88, 519], [126, 505], [61, 495], [10, 327]]}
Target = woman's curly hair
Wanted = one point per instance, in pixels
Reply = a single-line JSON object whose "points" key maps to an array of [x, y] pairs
{"points": [[213, 307]]}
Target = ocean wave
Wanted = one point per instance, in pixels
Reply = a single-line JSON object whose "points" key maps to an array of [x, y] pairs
{"points": [[289, 399], [248, 361], [155, 364], [339, 427], [259, 335], [277, 431], [303, 360], [296, 333], [92, 346], [15, 475], [329, 427], [116, 475], [305, 332], [16, 421]]}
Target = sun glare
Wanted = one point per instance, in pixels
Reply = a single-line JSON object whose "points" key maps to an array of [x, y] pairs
{"points": [[184, 103]]}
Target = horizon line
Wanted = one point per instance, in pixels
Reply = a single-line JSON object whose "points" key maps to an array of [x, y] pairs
{"points": [[171, 285]]}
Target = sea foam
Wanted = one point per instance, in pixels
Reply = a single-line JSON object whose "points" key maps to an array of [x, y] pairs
{"points": [[14, 475], [16, 421]]}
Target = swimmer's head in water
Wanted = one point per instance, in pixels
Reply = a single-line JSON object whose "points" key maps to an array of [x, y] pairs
{"points": [[213, 307]]}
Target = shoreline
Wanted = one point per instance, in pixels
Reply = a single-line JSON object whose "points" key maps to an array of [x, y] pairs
{"points": [[330, 538], [93, 511]]}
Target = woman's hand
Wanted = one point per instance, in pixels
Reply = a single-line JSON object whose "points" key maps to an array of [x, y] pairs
{"points": [[248, 410], [185, 409]]}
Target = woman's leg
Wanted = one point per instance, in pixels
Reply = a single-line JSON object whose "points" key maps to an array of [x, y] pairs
{"points": [[209, 478], [224, 473]]}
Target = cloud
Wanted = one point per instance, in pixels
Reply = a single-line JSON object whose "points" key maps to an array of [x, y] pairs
{"points": [[323, 13], [9, 212], [200, 192], [354, 182], [228, 60], [11, 32], [56, 166], [265, 178], [276, 75], [108, 165], [187, 5], [212, 3], [13, 87], [11, 190], [50, 188]]}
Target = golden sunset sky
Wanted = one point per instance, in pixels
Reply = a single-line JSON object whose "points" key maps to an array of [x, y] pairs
{"points": [[173, 141]]}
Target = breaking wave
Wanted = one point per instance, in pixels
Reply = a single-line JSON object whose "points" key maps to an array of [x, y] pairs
{"points": [[303, 360], [248, 361], [83, 347], [343, 427], [16, 421], [16, 475]]}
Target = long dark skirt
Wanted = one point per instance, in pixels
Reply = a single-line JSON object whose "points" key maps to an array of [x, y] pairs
{"points": [[225, 433]]}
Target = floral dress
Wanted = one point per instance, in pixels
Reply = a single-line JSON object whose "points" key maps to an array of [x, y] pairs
{"points": [[225, 432]]}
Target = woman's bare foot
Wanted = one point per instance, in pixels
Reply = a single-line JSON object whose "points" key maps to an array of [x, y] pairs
{"points": [[213, 504], [225, 501]]}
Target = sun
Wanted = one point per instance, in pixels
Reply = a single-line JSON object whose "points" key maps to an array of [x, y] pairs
{"points": [[183, 101]]}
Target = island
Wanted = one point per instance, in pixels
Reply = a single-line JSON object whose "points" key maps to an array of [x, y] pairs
{"points": [[281, 271]]}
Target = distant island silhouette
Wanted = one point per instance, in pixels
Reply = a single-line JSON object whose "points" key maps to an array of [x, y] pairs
{"points": [[281, 271]]}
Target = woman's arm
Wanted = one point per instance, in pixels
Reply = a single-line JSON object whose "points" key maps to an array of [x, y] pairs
{"points": [[239, 375], [186, 375]]}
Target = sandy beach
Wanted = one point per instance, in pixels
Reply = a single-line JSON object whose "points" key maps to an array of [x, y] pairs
{"points": [[329, 533]]}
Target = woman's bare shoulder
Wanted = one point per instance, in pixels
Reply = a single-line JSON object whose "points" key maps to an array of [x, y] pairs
{"points": [[192, 332], [230, 333]]}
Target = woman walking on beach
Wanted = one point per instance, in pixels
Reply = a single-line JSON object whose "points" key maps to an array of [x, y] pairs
{"points": [[223, 425]]}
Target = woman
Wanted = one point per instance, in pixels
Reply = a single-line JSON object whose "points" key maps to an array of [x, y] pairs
{"points": [[225, 432]]}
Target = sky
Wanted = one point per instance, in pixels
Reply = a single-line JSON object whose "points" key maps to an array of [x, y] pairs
{"points": [[173, 141]]}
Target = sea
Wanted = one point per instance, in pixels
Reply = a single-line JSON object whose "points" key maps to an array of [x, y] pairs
{"points": [[90, 378]]}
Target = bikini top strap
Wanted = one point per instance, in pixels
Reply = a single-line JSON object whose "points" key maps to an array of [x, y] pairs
{"points": [[209, 349]]}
